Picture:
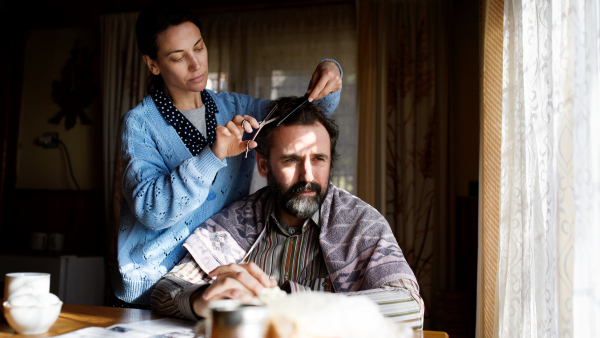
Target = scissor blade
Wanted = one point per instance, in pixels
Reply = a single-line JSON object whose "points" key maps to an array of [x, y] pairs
{"points": [[271, 120], [269, 115]]}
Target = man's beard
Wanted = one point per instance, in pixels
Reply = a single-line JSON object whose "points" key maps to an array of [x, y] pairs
{"points": [[295, 205]]}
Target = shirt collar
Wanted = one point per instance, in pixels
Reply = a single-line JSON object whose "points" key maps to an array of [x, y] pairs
{"points": [[285, 229], [191, 137]]}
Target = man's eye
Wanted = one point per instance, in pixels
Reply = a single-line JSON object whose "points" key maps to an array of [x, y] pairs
{"points": [[291, 160]]}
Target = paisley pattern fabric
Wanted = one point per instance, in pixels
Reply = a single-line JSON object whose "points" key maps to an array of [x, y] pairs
{"points": [[359, 248]]}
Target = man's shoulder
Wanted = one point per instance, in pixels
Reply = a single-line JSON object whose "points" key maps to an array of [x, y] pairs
{"points": [[251, 200], [348, 199], [342, 204], [343, 193]]}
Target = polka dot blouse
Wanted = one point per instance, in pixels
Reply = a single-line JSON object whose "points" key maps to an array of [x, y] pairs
{"points": [[191, 137]]}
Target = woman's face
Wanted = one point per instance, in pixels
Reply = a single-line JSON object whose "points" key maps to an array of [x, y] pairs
{"points": [[182, 59]]}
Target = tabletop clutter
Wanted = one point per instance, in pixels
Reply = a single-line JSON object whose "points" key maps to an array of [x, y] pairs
{"points": [[276, 314], [30, 308]]}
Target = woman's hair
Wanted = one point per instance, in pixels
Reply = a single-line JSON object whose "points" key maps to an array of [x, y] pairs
{"points": [[154, 19], [307, 114]]}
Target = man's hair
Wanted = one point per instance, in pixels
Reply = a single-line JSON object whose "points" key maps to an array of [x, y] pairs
{"points": [[307, 115]]}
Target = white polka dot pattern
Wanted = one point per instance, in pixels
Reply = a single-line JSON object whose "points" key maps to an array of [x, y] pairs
{"points": [[191, 137]]}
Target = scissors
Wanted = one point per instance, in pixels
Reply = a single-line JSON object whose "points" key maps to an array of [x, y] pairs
{"points": [[263, 123], [266, 121]]}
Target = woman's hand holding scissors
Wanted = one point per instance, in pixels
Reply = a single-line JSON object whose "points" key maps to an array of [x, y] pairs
{"points": [[325, 80], [229, 137]]}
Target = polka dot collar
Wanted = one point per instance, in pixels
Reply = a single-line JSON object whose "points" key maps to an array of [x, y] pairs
{"points": [[191, 137]]}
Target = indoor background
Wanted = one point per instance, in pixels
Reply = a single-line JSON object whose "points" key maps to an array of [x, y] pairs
{"points": [[409, 118]]}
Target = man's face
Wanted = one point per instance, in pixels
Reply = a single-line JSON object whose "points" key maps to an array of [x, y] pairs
{"points": [[298, 168]]}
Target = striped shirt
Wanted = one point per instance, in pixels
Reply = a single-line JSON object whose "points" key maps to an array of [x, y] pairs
{"points": [[293, 257]]}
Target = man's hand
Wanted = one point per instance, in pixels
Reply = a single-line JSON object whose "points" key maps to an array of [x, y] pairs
{"points": [[229, 137], [242, 282], [325, 80]]}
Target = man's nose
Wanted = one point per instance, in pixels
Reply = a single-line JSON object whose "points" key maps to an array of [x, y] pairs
{"points": [[306, 174]]}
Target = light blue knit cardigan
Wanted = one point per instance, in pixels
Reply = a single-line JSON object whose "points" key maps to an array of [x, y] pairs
{"points": [[169, 193]]}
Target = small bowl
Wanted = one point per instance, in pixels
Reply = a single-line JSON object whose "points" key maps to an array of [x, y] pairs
{"points": [[31, 319]]}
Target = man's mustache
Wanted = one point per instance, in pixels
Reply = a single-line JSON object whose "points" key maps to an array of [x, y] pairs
{"points": [[305, 186]]}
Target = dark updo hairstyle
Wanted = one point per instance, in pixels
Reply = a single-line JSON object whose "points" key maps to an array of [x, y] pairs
{"points": [[154, 19], [306, 115]]}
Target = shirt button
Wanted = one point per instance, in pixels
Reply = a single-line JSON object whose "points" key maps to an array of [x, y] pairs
{"points": [[211, 196], [292, 231], [324, 284]]}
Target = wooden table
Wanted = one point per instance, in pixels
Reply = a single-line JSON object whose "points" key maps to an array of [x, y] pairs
{"points": [[74, 317]]}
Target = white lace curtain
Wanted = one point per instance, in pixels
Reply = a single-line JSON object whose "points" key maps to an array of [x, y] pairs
{"points": [[549, 267]]}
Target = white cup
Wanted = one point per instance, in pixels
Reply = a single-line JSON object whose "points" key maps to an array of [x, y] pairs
{"points": [[56, 242], [39, 241], [20, 283]]}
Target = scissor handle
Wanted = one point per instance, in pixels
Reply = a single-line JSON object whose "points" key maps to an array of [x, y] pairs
{"points": [[260, 126]]}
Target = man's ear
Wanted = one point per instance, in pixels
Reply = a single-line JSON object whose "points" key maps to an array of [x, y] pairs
{"points": [[262, 164], [152, 65]]}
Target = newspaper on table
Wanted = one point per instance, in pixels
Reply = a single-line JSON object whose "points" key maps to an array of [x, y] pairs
{"points": [[159, 328]]}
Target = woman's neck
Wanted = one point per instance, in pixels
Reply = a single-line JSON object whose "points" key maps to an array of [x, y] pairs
{"points": [[184, 100]]}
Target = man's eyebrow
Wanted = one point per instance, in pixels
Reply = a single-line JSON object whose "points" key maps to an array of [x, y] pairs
{"points": [[285, 157], [321, 155], [288, 156], [181, 50]]}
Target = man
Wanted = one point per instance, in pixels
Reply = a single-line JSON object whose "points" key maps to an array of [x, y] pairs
{"points": [[300, 232]]}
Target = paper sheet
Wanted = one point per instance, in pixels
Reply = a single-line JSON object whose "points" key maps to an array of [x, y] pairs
{"points": [[160, 328]]}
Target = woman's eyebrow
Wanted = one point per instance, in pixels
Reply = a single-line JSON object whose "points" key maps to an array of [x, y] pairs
{"points": [[175, 51], [181, 50]]}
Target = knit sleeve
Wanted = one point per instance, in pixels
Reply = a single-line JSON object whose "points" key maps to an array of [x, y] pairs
{"points": [[330, 102], [157, 196]]}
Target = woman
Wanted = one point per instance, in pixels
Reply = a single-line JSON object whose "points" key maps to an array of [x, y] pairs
{"points": [[181, 148]]}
